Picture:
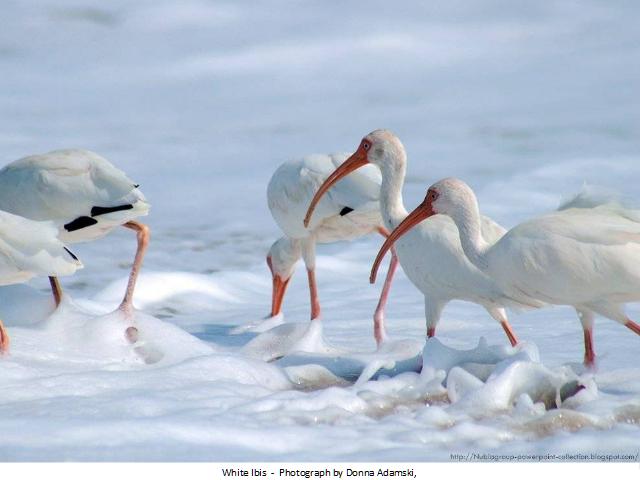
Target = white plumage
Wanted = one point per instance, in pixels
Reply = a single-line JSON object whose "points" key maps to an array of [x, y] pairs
{"points": [[349, 210], [430, 255], [83, 194], [63, 185], [29, 249], [586, 257], [294, 184]]}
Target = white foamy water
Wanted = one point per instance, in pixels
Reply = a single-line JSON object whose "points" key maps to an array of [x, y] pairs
{"points": [[199, 102]]}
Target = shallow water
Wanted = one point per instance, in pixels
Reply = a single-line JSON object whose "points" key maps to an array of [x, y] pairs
{"points": [[199, 101]]}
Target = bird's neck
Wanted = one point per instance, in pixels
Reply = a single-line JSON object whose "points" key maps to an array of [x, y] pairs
{"points": [[468, 220], [391, 204], [289, 251]]}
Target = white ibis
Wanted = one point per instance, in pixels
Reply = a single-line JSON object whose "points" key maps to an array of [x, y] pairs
{"points": [[431, 255], [83, 194], [29, 249], [349, 210], [588, 258]]}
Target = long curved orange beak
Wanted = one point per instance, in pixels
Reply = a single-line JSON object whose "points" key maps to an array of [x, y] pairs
{"points": [[277, 291], [355, 161], [277, 295], [421, 212]]}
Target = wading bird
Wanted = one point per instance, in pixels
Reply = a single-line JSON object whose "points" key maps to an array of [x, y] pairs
{"points": [[430, 255], [349, 210], [83, 194], [588, 258], [29, 249]]}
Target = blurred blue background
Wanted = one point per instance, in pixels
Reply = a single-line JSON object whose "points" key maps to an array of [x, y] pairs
{"points": [[200, 100]]}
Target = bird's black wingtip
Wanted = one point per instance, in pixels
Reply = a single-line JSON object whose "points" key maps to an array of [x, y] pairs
{"points": [[346, 211], [73, 255], [96, 211], [80, 222]]}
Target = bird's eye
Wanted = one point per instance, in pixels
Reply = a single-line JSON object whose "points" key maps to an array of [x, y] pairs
{"points": [[366, 145]]}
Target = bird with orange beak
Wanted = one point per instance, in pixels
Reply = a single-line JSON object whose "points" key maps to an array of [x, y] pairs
{"points": [[348, 211], [430, 254], [582, 256]]}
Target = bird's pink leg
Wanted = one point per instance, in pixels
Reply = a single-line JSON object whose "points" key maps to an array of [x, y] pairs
{"points": [[589, 351], [633, 326], [431, 332], [313, 291], [126, 306], [501, 316], [56, 289], [379, 331], [510, 333], [4, 339]]}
